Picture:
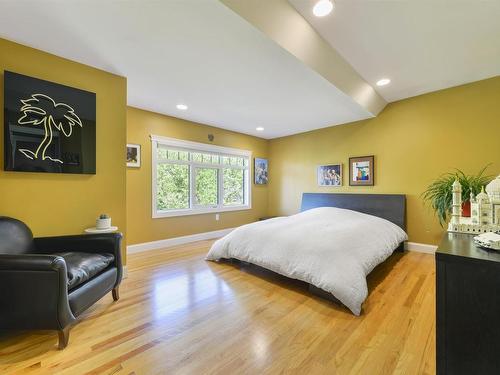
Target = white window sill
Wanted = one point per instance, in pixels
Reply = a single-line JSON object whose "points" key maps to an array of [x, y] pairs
{"points": [[199, 211]]}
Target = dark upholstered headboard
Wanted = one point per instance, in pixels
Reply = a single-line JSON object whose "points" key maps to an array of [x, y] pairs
{"points": [[391, 207]]}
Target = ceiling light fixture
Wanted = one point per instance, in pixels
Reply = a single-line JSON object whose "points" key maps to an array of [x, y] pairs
{"points": [[259, 129], [182, 107], [383, 82], [323, 8]]}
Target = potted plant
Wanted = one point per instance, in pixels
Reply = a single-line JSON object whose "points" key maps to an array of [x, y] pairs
{"points": [[439, 193], [103, 222]]}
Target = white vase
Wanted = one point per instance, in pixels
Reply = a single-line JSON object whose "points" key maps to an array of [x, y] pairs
{"points": [[103, 223]]}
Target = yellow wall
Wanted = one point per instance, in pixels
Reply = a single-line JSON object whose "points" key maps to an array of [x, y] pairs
{"points": [[141, 226], [54, 204], [413, 140]]}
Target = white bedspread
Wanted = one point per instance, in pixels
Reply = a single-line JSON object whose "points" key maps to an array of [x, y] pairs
{"points": [[331, 248]]}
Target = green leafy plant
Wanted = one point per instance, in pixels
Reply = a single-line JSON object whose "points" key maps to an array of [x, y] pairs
{"points": [[439, 194], [103, 216]]}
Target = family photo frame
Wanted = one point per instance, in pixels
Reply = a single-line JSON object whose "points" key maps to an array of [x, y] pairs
{"points": [[329, 174]]}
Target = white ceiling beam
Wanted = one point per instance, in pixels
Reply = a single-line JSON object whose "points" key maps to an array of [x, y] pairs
{"points": [[285, 26]]}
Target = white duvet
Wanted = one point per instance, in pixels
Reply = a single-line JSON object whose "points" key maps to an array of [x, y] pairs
{"points": [[331, 248]]}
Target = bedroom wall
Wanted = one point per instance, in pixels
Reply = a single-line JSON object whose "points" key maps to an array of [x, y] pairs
{"points": [[55, 204], [413, 140], [141, 226]]}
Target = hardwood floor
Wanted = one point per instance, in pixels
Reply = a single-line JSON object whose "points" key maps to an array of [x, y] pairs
{"points": [[179, 314]]}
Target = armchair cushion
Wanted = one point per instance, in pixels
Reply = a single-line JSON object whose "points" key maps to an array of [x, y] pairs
{"points": [[87, 243], [81, 266]]}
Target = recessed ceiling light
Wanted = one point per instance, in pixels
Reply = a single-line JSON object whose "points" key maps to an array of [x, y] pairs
{"points": [[323, 8], [383, 82], [259, 129], [182, 107]]}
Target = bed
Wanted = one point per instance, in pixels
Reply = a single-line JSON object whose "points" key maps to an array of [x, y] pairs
{"points": [[332, 244]]}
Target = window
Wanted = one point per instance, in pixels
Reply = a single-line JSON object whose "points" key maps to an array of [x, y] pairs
{"points": [[194, 178]]}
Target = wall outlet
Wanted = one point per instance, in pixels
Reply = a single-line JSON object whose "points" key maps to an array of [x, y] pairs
{"points": [[217, 217]]}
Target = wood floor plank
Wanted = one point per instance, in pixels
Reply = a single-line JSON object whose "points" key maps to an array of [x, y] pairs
{"points": [[179, 314]]}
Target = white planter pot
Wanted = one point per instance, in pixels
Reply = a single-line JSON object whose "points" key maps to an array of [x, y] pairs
{"points": [[103, 223]]}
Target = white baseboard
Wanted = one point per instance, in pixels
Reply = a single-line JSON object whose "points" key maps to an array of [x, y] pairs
{"points": [[169, 242], [420, 247], [125, 272]]}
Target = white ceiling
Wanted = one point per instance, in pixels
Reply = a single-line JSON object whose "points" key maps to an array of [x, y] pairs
{"points": [[421, 45], [195, 52], [233, 76]]}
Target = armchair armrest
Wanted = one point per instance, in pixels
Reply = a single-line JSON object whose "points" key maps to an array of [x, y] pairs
{"points": [[32, 262], [34, 292], [89, 243]]}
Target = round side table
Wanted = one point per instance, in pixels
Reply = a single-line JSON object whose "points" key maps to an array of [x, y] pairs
{"points": [[94, 230]]}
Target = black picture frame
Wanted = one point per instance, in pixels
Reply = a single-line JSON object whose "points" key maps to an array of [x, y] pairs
{"points": [[48, 127]]}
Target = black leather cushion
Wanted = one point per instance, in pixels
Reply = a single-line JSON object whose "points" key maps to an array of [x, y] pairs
{"points": [[83, 266], [15, 237]]}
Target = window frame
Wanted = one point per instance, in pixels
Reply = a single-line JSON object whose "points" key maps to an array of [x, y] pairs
{"points": [[190, 146]]}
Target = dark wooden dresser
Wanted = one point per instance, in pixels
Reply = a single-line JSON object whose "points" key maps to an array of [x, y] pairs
{"points": [[467, 307]]}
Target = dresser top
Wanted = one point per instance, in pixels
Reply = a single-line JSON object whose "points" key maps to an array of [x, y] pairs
{"points": [[462, 245]]}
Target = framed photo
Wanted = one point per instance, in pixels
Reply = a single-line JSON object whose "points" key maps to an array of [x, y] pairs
{"points": [[362, 171], [133, 155], [330, 175], [261, 171]]}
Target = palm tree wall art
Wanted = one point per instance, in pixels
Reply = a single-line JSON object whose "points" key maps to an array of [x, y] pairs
{"points": [[48, 127], [42, 110]]}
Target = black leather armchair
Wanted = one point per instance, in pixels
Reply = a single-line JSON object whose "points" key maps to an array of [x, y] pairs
{"points": [[46, 283]]}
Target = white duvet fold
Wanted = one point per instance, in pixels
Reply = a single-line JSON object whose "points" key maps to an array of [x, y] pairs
{"points": [[331, 248]]}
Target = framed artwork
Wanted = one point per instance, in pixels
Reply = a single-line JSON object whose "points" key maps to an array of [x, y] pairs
{"points": [[133, 155], [261, 171], [48, 127], [330, 175], [362, 171]]}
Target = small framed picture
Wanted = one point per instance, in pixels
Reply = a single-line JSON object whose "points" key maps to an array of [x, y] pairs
{"points": [[362, 171], [330, 175], [261, 171], [133, 155]]}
